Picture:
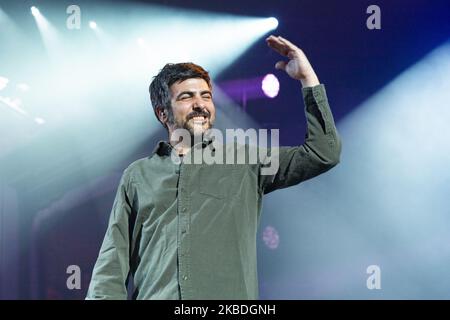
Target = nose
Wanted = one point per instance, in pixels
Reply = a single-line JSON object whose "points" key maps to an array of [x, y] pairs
{"points": [[198, 107], [198, 103]]}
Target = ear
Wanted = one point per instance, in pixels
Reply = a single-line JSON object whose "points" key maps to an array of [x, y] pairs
{"points": [[161, 114]]}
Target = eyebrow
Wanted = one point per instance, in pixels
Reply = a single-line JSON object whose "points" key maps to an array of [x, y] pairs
{"points": [[191, 93]]}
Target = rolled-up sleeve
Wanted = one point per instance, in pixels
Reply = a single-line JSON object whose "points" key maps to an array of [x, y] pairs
{"points": [[111, 269], [319, 153]]}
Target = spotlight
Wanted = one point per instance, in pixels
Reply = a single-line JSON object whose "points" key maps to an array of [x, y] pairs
{"points": [[93, 25], [271, 237], [272, 23], [270, 86], [34, 11]]}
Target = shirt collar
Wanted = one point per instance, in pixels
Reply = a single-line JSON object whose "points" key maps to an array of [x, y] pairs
{"points": [[164, 148]]}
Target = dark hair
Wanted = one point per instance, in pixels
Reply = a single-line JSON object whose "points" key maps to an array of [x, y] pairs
{"points": [[173, 72]]}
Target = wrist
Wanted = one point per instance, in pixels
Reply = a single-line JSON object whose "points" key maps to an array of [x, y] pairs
{"points": [[310, 81]]}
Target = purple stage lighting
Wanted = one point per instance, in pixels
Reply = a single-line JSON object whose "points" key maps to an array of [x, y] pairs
{"points": [[271, 237], [270, 86]]}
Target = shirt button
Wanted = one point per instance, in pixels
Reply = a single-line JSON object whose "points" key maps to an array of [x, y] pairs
{"points": [[185, 278], [183, 209]]}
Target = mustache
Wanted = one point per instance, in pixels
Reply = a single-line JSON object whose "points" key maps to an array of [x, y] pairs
{"points": [[198, 114]]}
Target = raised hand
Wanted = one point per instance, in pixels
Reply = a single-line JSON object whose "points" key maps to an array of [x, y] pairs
{"points": [[298, 66]]}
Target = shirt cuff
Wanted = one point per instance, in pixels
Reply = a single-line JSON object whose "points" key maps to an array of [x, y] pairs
{"points": [[314, 94]]}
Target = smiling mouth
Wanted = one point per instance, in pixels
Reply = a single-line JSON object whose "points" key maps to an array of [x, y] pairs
{"points": [[198, 120]]}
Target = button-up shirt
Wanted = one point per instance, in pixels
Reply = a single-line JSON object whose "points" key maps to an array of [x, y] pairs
{"points": [[188, 231]]}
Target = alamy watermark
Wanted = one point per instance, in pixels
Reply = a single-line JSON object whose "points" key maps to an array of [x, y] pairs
{"points": [[374, 20], [73, 21], [212, 148], [74, 280], [374, 280]]}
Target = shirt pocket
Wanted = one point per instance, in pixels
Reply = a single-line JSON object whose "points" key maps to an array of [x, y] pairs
{"points": [[220, 181]]}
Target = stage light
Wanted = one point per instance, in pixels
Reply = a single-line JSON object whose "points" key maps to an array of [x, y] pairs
{"points": [[35, 11], [271, 237], [89, 71], [49, 34], [272, 23], [270, 86]]}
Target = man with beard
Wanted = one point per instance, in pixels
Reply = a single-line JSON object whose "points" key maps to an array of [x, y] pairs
{"points": [[188, 231]]}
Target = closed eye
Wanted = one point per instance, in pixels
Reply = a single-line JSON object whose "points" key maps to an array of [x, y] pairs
{"points": [[184, 96]]}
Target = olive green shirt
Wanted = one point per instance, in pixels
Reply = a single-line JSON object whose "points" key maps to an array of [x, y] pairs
{"points": [[188, 231]]}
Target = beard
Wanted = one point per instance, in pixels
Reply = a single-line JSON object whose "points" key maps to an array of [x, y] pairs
{"points": [[194, 124], [197, 129]]}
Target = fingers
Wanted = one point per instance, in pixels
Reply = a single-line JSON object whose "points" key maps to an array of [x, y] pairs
{"points": [[294, 51], [281, 65], [289, 44], [276, 44], [282, 46]]}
